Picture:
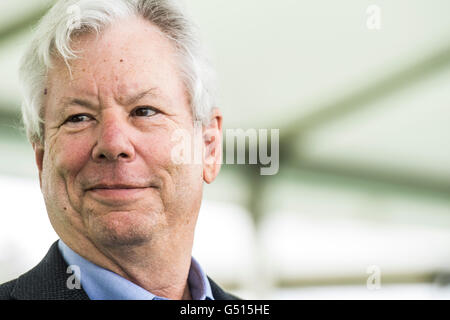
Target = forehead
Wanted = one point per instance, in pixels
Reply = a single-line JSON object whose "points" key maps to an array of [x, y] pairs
{"points": [[128, 56]]}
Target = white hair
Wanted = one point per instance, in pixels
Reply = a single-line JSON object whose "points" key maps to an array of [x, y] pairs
{"points": [[67, 18]]}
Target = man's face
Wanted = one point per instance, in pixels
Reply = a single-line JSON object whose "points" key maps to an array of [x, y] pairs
{"points": [[105, 168]]}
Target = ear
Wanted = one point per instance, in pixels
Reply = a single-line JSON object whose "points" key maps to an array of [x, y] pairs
{"points": [[212, 146], [39, 158]]}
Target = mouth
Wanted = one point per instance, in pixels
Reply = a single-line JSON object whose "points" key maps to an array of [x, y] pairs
{"points": [[118, 192], [116, 187]]}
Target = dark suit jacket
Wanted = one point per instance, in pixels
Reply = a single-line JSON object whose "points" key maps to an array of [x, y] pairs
{"points": [[47, 281]]}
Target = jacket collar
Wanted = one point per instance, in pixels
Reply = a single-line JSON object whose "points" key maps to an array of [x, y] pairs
{"points": [[48, 281]]}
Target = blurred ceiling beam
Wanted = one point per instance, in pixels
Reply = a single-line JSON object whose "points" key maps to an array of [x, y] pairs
{"points": [[345, 175], [11, 124], [10, 118], [22, 23], [355, 101], [426, 276], [375, 179]]}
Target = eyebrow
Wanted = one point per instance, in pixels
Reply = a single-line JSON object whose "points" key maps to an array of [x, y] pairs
{"points": [[80, 102], [135, 98], [126, 100]]}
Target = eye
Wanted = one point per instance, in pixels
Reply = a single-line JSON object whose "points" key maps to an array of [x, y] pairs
{"points": [[76, 118], [144, 112]]}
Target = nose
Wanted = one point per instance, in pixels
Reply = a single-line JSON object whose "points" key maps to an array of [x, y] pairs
{"points": [[113, 142]]}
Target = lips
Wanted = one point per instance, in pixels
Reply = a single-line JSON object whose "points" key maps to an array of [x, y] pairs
{"points": [[118, 193], [115, 186]]}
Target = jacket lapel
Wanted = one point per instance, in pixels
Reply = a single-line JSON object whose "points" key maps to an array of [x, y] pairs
{"points": [[218, 292]]}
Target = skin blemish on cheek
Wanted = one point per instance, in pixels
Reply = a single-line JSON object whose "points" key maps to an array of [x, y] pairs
{"points": [[121, 60]]}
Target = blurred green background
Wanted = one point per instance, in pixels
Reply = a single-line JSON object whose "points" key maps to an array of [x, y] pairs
{"points": [[364, 120]]}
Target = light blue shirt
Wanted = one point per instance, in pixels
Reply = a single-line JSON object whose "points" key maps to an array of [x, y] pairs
{"points": [[102, 284]]}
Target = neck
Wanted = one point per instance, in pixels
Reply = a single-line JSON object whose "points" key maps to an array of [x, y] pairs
{"points": [[160, 266]]}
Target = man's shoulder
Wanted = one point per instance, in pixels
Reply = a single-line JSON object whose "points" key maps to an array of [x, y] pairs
{"points": [[6, 290], [46, 281]]}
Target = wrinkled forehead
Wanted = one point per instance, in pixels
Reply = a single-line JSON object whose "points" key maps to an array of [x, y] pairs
{"points": [[125, 55]]}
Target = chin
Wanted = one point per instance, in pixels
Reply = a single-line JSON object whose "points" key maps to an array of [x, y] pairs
{"points": [[122, 229]]}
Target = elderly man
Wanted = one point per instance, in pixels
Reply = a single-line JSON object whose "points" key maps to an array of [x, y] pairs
{"points": [[107, 85]]}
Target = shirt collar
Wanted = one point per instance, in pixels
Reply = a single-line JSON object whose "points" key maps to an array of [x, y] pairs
{"points": [[102, 284]]}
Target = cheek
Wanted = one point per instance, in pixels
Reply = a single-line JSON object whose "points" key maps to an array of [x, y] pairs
{"points": [[68, 156], [156, 146], [178, 177], [160, 150]]}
